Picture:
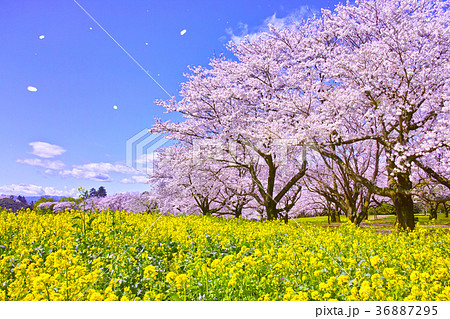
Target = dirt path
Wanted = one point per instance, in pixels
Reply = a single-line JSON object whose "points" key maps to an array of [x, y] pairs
{"points": [[373, 217]]}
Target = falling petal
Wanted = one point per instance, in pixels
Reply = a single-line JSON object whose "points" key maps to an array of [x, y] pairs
{"points": [[31, 89], [41, 37], [183, 32]]}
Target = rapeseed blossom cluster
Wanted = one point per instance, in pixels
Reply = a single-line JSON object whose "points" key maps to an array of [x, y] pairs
{"points": [[114, 255]]}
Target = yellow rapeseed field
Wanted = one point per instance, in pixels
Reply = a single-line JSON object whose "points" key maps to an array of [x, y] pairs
{"points": [[80, 255]]}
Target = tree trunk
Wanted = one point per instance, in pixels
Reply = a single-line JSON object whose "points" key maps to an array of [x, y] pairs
{"points": [[363, 214], [404, 208], [433, 211], [286, 217], [352, 214], [203, 204], [271, 209], [400, 183], [238, 212], [334, 216], [338, 215]]}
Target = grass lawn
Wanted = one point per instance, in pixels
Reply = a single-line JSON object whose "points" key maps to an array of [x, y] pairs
{"points": [[374, 220]]}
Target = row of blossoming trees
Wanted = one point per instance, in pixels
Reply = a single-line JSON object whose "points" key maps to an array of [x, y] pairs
{"points": [[338, 112], [129, 202]]}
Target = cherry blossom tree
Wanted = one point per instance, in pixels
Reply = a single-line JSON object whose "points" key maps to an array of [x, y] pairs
{"points": [[341, 194], [389, 61], [128, 202], [62, 206], [430, 194], [238, 103], [374, 73], [182, 185]]}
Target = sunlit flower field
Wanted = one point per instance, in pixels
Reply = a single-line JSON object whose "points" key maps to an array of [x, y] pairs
{"points": [[77, 255]]}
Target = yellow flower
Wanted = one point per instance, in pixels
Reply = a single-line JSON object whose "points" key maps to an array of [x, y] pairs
{"points": [[414, 276], [111, 297], [159, 297], [375, 260], [96, 296], [343, 280], [389, 273], [323, 286], [315, 295], [180, 280], [300, 296], [171, 276], [258, 253], [150, 272], [47, 259]]}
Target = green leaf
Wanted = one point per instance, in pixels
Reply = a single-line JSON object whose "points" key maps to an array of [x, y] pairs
{"points": [[175, 297]]}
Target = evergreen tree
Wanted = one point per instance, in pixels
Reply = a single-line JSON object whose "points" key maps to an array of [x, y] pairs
{"points": [[22, 199], [101, 192], [93, 193]]}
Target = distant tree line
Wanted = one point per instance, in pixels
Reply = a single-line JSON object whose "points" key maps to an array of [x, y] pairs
{"points": [[101, 192], [14, 204]]}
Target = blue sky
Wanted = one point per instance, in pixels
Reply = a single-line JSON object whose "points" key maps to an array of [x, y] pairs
{"points": [[66, 132]]}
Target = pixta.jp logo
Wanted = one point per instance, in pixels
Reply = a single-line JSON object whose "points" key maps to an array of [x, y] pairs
{"points": [[142, 148]]}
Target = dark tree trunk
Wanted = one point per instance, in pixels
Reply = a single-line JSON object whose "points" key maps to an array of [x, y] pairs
{"points": [[360, 217], [352, 214], [332, 216], [403, 203], [433, 211], [238, 212], [271, 209], [335, 217], [363, 215], [404, 208], [286, 218], [203, 204], [338, 215]]}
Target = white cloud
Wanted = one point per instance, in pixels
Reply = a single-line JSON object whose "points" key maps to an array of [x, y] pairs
{"points": [[140, 179], [106, 168], [147, 158], [183, 32], [35, 190], [97, 171], [135, 179], [82, 174], [46, 150], [242, 30], [127, 181], [41, 37], [296, 16], [31, 89], [52, 165]]}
